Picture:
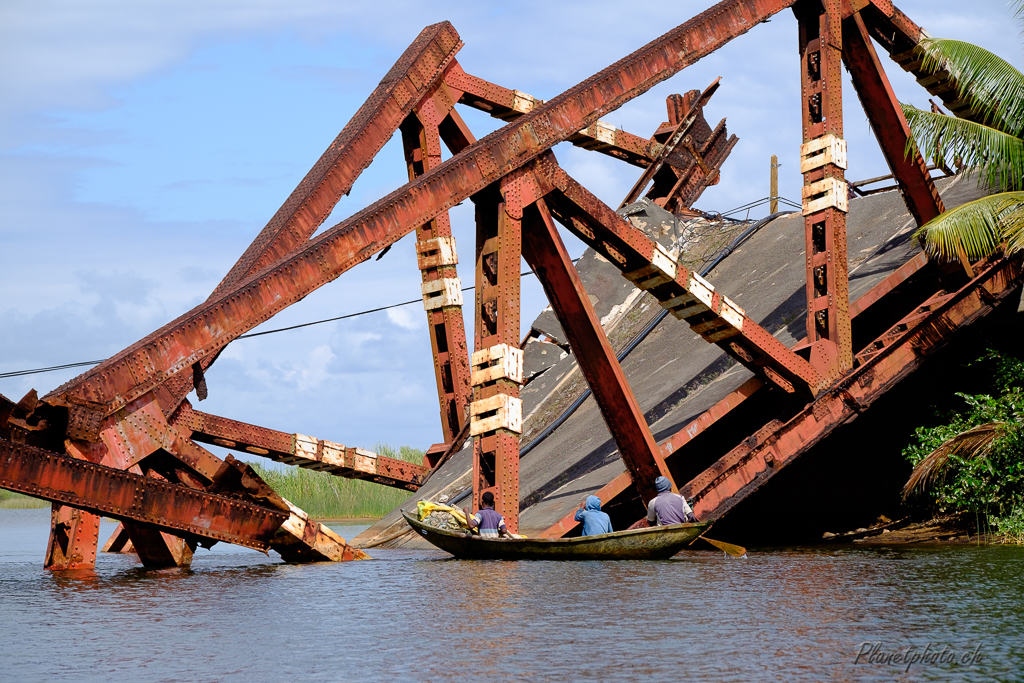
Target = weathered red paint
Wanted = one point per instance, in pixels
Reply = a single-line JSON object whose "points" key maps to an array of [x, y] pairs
{"points": [[630, 249], [749, 465], [421, 138], [546, 255], [206, 329], [280, 447], [887, 122], [821, 115], [150, 503]]}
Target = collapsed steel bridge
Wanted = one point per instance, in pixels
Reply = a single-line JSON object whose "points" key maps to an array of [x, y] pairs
{"points": [[122, 440]]}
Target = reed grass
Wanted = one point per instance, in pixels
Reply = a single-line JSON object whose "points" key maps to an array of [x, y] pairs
{"points": [[325, 496], [9, 500]]}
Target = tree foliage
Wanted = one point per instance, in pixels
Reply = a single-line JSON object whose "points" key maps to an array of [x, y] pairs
{"points": [[975, 461], [994, 145]]}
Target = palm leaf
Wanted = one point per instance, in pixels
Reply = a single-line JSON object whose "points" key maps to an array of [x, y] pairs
{"points": [[999, 155], [977, 227], [973, 443], [993, 87]]}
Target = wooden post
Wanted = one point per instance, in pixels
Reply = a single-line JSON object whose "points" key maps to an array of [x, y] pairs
{"points": [[774, 206]]}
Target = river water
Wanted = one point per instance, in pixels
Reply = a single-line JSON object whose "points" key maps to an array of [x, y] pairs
{"points": [[799, 614]]}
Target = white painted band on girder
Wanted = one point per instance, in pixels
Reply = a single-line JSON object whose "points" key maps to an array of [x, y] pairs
{"points": [[524, 103], [661, 270], [500, 361], [446, 291], [436, 252], [828, 149], [305, 446], [828, 193], [333, 453], [508, 414], [600, 131]]}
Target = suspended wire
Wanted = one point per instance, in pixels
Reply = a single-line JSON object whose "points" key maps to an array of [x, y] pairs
{"points": [[20, 373], [759, 202], [35, 371]]}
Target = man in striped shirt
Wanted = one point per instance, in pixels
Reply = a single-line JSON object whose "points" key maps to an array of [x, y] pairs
{"points": [[488, 522]]}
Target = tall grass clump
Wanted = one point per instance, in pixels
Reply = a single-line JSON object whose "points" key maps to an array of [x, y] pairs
{"points": [[9, 500], [326, 496]]}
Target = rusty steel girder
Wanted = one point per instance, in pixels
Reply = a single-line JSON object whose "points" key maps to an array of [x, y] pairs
{"points": [[546, 255], [748, 466], [148, 502], [206, 329], [299, 450]]}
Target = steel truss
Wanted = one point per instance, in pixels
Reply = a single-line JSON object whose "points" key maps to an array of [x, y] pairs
{"points": [[122, 440]]}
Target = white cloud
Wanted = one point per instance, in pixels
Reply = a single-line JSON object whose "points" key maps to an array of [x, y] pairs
{"points": [[403, 317]]}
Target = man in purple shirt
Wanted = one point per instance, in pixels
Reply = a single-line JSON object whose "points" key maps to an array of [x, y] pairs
{"points": [[488, 522], [668, 507]]}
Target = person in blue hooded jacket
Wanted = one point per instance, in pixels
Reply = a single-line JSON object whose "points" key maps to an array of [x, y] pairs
{"points": [[594, 521]]}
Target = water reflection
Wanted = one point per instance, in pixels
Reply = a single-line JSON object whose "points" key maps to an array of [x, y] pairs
{"points": [[790, 614]]}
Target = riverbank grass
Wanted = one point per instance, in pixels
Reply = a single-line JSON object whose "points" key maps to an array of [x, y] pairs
{"points": [[325, 496], [9, 500]]}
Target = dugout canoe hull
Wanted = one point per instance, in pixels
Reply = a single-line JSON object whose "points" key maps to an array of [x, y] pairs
{"points": [[654, 543]]}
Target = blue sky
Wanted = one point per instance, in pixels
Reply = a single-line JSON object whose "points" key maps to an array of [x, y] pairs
{"points": [[144, 145]]}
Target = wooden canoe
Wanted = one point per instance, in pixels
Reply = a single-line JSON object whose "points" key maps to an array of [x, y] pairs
{"points": [[653, 543]]}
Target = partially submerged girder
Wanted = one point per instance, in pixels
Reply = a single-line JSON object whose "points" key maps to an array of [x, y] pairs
{"points": [[298, 449], [154, 504], [128, 411]]}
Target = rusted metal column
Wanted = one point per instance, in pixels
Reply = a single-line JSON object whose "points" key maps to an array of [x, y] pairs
{"points": [[822, 162], [902, 349], [437, 257], [74, 535], [888, 123], [546, 255], [496, 411], [715, 317]]}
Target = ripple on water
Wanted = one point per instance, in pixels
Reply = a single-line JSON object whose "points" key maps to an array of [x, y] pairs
{"points": [[784, 614]]}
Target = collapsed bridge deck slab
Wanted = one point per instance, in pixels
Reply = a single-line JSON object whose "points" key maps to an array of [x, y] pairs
{"points": [[675, 374]]}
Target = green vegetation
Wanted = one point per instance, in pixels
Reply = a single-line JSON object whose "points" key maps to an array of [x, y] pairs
{"points": [[325, 496], [10, 500], [975, 461], [995, 146]]}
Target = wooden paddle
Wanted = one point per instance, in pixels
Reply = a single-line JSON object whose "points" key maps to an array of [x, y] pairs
{"points": [[734, 550]]}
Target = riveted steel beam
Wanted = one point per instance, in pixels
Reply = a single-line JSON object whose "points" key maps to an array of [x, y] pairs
{"points": [[149, 503], [748, 466], [546, 255], [437, 257], [825, 193], [206, 329], [713, 316], [299, 450], [887, 122]]}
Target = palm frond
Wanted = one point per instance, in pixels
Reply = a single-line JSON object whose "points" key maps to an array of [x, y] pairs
{"points": [[1013, 230], [993, 87], [973, 443], [978, 227], [1000, 156]]}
